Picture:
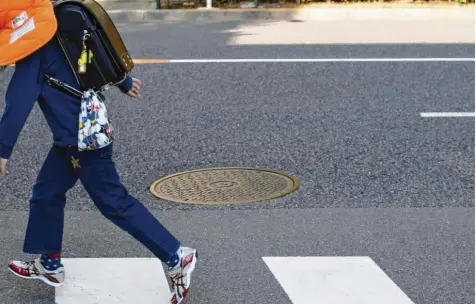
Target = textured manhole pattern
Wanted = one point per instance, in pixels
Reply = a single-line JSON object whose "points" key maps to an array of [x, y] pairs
{"points": [[224, 186]]}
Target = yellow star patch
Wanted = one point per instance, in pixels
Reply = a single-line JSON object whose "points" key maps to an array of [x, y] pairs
{"points": [[75, 162]]}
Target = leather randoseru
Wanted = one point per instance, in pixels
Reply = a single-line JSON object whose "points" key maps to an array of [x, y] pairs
{"points": [[92, 45]]}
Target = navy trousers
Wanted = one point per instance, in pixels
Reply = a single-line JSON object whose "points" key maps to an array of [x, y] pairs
{"points": [[97, 172]]}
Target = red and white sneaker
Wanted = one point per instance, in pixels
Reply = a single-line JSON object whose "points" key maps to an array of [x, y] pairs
{"points": [[181, 275], [34, 270]]}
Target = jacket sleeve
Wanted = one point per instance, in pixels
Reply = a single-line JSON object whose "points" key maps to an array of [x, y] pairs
{"points": [[22, 93], [126, 85]]}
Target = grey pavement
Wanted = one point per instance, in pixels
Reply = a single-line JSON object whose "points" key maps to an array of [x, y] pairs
{"points": [[350, 132], [427, 252], [376, 178]]}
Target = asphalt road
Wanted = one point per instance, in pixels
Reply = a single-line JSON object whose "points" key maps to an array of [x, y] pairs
{"points": [[376, 179]]}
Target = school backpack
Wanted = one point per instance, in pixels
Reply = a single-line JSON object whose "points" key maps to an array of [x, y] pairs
{"points": [[92, 46]]}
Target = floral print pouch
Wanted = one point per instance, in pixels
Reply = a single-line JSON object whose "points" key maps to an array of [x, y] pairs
{"points": [[95, 129]]}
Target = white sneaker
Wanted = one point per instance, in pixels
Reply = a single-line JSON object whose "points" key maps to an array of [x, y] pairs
{"points": [[34, 270], [181, 275]]}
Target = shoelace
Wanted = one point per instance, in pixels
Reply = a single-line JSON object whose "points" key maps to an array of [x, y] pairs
{"points": [[31, 266], [177, 281]]}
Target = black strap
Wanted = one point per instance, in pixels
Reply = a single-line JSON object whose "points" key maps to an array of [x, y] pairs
{"points": [[67, 88], [63, 86]]}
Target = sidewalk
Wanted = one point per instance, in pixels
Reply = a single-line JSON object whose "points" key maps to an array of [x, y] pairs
{"points": [[152, 4], [314, 13]]}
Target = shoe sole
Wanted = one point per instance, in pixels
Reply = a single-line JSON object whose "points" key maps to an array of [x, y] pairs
{"points": [[41, 278]]}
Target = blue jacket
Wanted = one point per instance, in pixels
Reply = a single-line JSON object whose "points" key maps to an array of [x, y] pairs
{"points": [[28, 86]]}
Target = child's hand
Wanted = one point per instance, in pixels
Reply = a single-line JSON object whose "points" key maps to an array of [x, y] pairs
{"points": [[3, 166], [136, 84]]}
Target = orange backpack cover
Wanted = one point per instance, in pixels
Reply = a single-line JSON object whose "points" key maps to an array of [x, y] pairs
{"points": [[25, 26]]}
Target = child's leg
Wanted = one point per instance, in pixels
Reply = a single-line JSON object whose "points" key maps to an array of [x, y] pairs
{"points": [[44, 233], [99, 177]]}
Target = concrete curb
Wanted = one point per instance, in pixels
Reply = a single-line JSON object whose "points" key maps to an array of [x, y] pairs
{"points": [[292, 14]]}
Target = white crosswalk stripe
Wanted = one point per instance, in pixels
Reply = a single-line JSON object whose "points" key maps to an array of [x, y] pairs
{"points": [[335, 280], [113, 280]]}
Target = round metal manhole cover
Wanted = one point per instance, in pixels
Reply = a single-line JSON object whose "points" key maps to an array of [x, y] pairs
{"points": [[224, 186]]}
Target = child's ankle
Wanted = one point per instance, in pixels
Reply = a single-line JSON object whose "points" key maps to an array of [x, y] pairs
{"points": [[51, 261]]}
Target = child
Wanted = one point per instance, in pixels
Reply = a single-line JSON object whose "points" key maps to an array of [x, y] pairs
{"points": [[64, 165]]}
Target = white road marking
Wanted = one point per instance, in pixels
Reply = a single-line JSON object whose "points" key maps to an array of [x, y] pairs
{"points": [[447, 114], [113, 280], [264, 60], [335, 280]]}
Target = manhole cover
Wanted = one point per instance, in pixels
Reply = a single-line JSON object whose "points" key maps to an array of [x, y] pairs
{"points": [[224, 186]]}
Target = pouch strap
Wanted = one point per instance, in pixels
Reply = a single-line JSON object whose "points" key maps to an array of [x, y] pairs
{"points": [[67, 88], [63, 86]]}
